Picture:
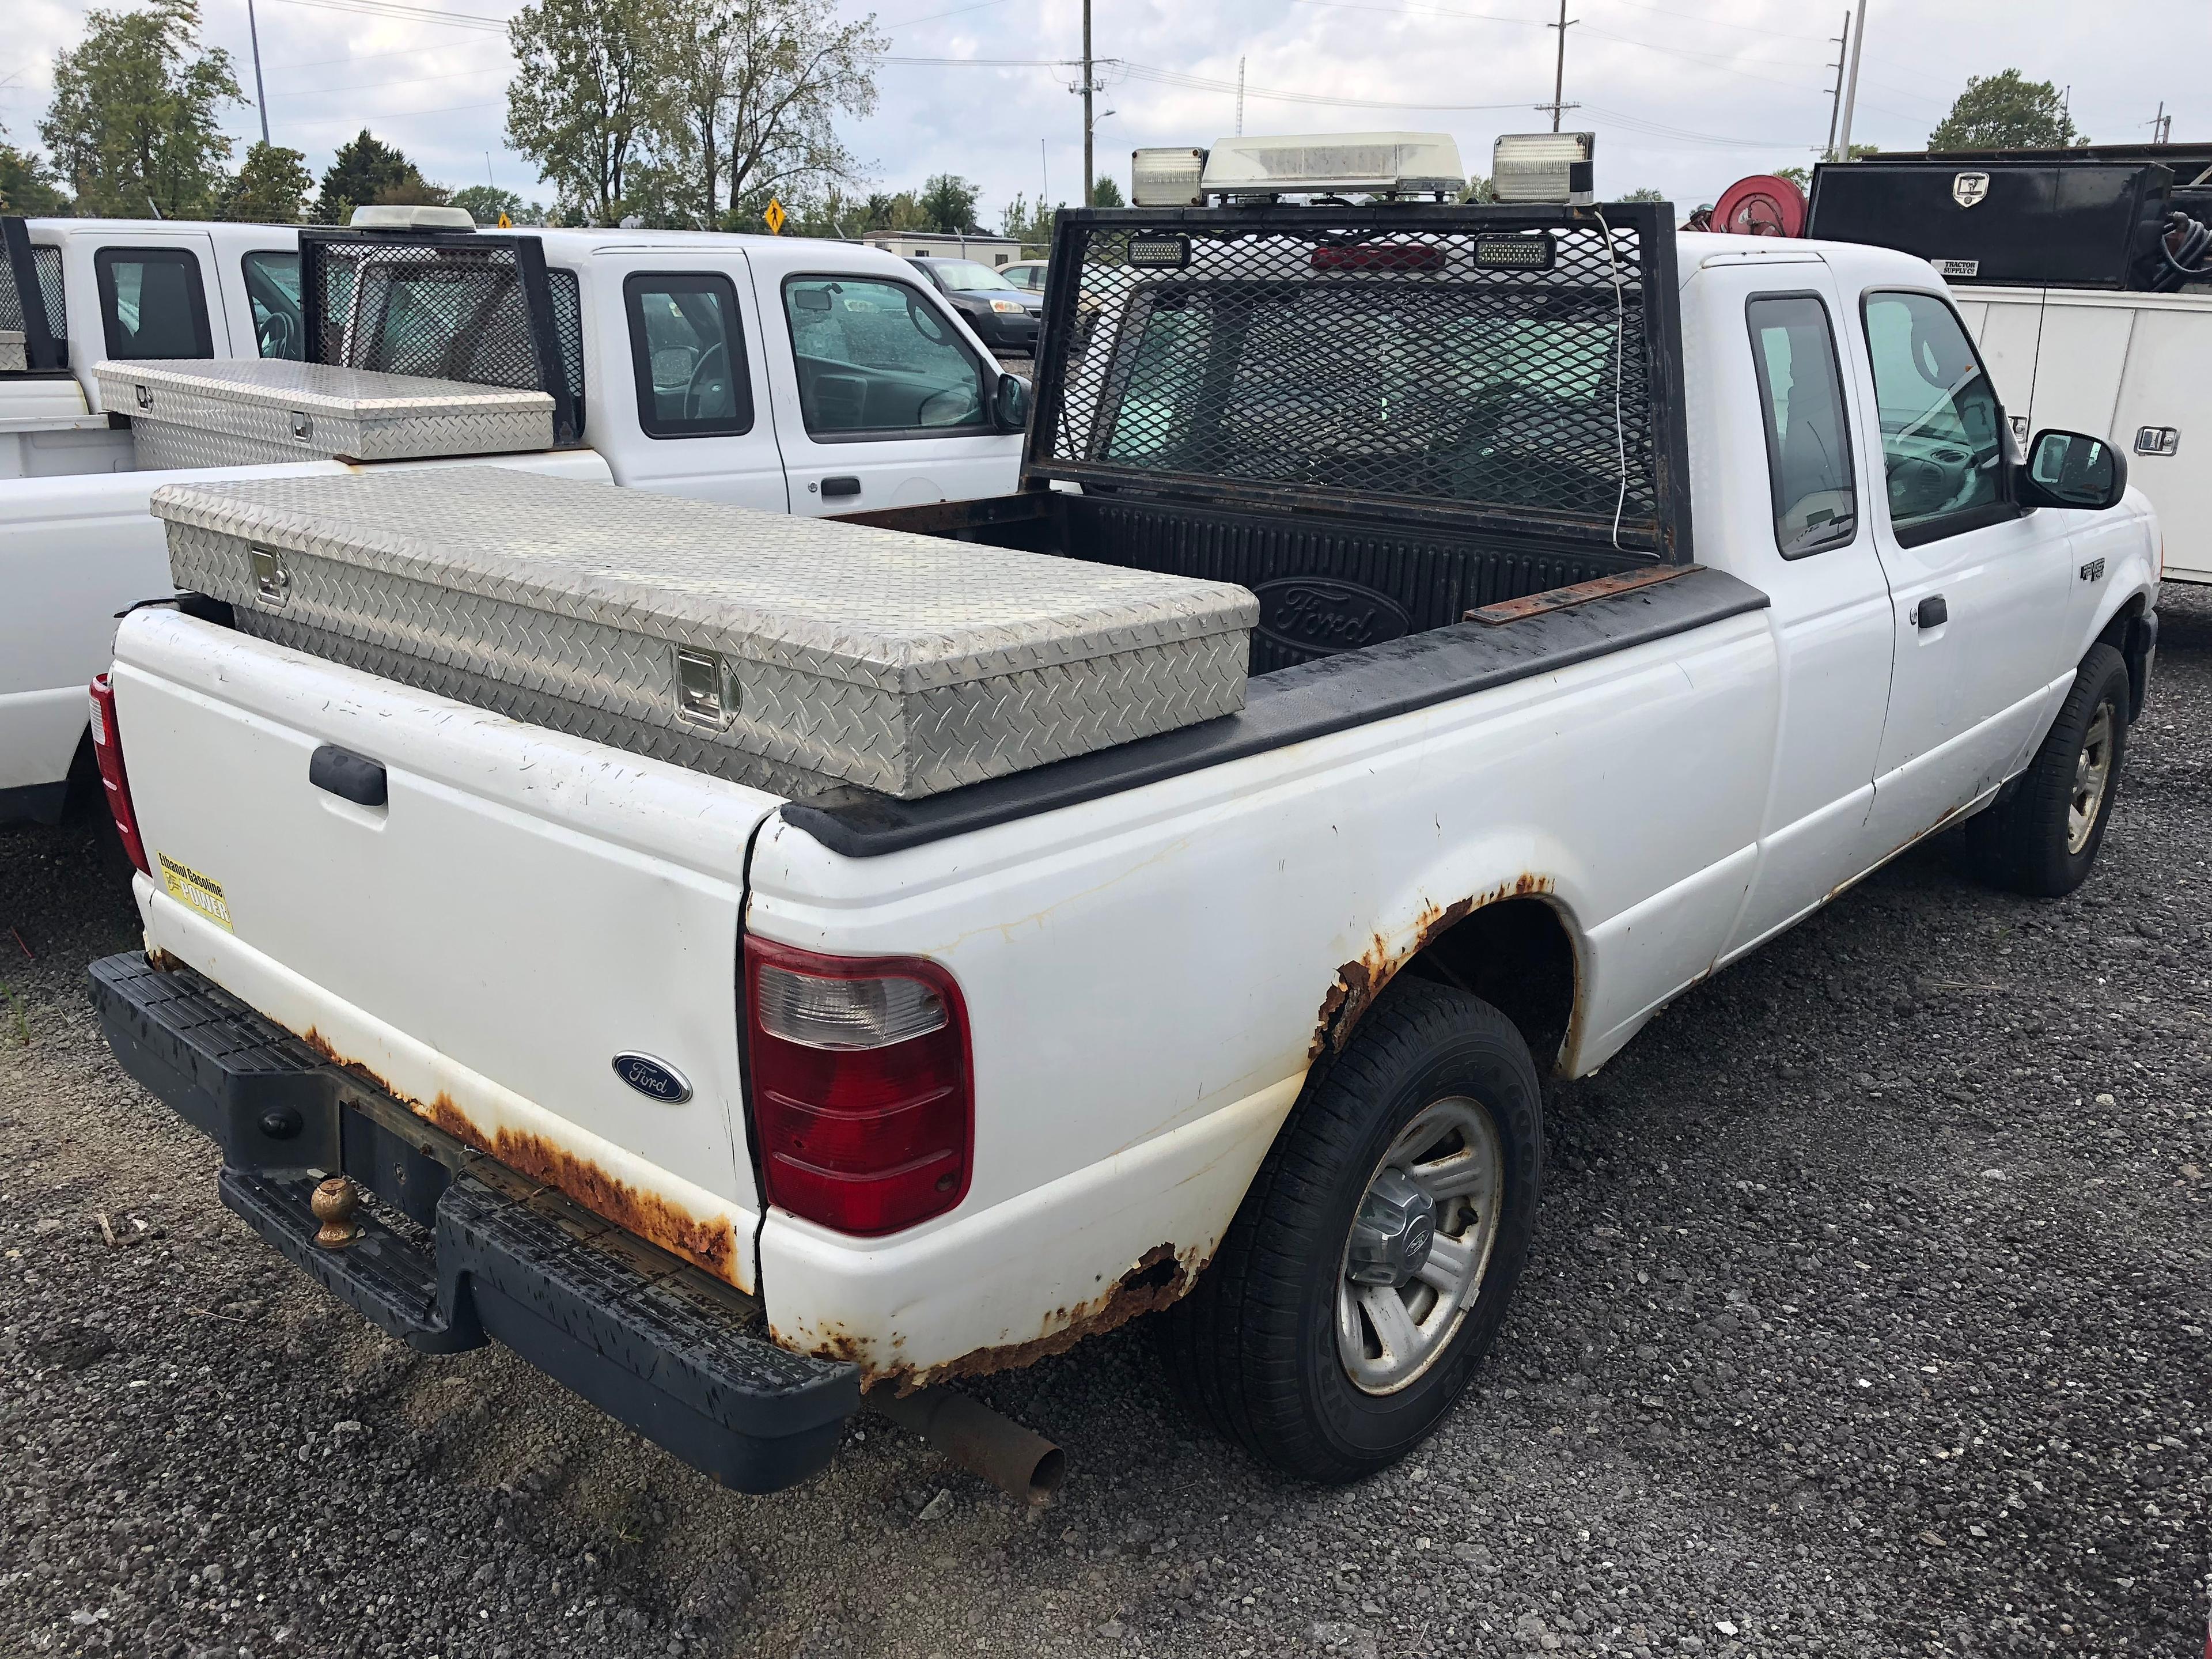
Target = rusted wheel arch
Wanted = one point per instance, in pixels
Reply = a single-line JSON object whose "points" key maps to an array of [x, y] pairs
{"points": [[1512, 945]]}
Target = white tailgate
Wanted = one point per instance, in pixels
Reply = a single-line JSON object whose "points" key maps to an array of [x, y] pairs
{"points": [[525, 908]]}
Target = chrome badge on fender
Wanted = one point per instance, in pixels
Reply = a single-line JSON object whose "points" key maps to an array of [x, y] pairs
{"points": [[652, 1077]]}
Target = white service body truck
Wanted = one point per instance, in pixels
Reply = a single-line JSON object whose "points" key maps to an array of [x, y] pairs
{"points": [[819, 417], [1623, 597], [2135, 368]]}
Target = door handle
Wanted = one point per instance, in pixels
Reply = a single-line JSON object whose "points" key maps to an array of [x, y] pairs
{"points": [[349, 776], [1931, 612], [846, 486]]}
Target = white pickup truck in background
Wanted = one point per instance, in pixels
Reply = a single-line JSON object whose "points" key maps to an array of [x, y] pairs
{"points": [[796, 376], [1623, 597]]}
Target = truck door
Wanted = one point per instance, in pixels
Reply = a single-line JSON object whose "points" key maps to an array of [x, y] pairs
{"points": [[1979, 589], [882, 399], [682, 403], [154, 295], [1796, 524]]}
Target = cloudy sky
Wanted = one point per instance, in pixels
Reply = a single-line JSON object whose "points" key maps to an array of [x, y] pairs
{"points": [[1684, 96]]}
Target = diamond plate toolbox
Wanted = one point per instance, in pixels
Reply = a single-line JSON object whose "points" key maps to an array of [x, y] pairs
{"points": [[13, 358], [245, 412], [795, 654]]}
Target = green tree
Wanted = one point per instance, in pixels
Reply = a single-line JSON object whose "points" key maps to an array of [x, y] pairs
{"points": [[1479, 189], [27, 185], [363, 171], [747, 95], [1028, 223], [948, 203], [1104, 192], [133, 124], [577, 105], [2007, 111], [270, 188], [1645, 193], [485, 203]]}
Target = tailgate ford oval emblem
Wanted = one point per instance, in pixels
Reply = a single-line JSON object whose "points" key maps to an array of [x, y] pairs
{"points": [[1320, 614], [653, 1076]]}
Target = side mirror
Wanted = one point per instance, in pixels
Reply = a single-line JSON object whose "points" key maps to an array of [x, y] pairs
{"points": [[2073, 469], [1010, 404]]}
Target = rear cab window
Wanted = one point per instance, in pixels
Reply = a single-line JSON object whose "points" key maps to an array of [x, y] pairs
{"points": [[688, 351], [152, 302], [875, 358], [272, 287], [1943, 429], [1809, 441]]}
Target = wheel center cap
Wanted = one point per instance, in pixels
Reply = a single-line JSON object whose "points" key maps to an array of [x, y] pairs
{"points": [[1393, 1233]]}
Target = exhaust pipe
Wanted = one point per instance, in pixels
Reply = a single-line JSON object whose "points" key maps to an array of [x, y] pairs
{"points": [[1022, 1465]]}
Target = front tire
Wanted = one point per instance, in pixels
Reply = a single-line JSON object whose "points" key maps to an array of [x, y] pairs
{"points": [[2043, 839], [1371, 1264]]}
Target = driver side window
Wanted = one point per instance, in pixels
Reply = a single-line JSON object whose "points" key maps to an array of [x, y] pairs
{"points": [[686, 351], [876, 357], [1943, 431]]}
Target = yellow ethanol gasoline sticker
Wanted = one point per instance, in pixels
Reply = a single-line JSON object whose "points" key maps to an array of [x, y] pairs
{"points": [[203, 893]]}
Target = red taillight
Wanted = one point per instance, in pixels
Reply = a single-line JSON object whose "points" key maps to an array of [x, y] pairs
{"points": [[862, 1102], [1378, 256], [107, 748]]}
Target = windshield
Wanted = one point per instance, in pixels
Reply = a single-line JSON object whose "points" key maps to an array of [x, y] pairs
{"points": [[964, 275]]}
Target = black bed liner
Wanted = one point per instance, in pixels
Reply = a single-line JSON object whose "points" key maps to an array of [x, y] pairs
{"points": [[1310, 700]]}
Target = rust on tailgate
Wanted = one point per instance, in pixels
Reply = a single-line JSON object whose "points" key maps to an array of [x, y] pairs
{"points": [[1360, 980], [710, 1242], [1562, 599], [1160, 1276]]}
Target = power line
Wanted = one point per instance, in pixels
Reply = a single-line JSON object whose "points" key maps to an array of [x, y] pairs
{"points": [[1836, 98], [406, 14], [1715, 22]]}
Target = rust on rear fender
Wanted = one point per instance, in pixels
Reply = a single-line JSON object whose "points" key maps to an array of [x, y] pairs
{"points": [[1360, 980], [1162, 1275], [710, 1243]]}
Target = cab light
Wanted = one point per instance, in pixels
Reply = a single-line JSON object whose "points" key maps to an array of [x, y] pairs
{"points": [[108, 749], [862, 1101]]}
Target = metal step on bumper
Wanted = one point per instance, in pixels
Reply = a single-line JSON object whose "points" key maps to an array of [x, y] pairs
{"points": [[458, 1249]]}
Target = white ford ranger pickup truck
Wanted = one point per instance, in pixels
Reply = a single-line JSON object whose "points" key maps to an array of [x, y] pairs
{"points": [[792, 375], [1621, 598]]}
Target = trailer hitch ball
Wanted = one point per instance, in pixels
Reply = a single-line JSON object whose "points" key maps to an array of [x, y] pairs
{"points": [[335, 1202]]}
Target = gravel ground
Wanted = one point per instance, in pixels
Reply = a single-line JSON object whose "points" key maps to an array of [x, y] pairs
{"points": [[1867, 1315]]}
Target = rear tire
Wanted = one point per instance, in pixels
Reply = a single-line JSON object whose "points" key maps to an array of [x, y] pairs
{"points": [[1436, 1095], [2043, 839]]}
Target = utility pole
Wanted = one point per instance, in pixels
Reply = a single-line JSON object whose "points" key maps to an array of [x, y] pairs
{"points": [[1835, 97], [1560, 69], [261, 99], [1089, 86], [1240, 98], [2162, 126], [1044, 175], [1851, 86]]}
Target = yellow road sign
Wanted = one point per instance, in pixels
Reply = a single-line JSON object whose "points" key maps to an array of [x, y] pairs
{"points": [[775, 215], [505, 223]]}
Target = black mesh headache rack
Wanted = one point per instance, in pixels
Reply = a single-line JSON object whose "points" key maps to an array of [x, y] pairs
{"points": [[30, 270], [447, 306], [1473, 368]]}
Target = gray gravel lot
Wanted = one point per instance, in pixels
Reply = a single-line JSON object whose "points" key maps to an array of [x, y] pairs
{"points": [[1867, 1315]]}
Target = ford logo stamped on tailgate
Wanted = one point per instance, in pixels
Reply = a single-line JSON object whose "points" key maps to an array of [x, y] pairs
{"points": [[1315, 613], [652, 1077]]}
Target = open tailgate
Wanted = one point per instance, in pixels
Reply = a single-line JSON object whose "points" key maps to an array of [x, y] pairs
{"points": [[523, 909]]}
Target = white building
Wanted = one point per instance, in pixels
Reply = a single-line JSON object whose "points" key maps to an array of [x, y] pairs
{"points": [[992, 250]]}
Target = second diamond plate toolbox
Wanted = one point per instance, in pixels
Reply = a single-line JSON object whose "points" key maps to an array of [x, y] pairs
{"points": [[791, 653], [243, 412]]}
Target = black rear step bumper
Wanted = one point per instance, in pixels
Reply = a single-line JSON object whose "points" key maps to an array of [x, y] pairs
{"points": [[462, 1249]]}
